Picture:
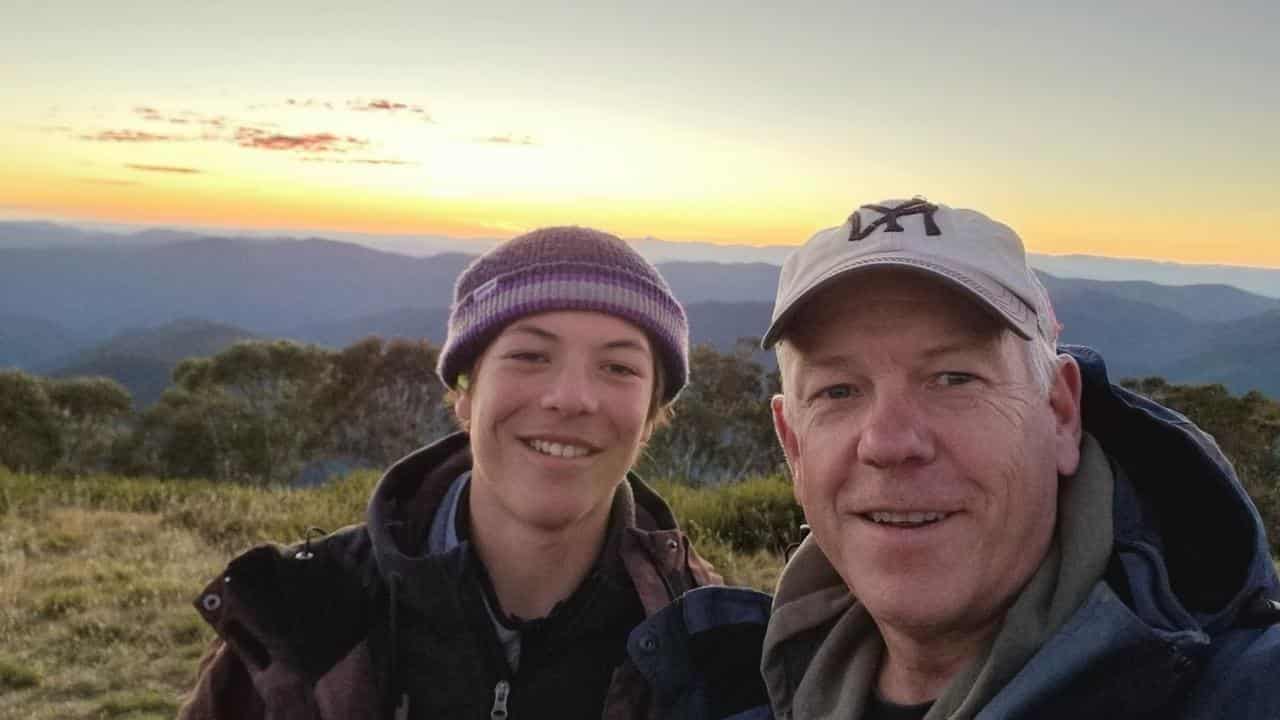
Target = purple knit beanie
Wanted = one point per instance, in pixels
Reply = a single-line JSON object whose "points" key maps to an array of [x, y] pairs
{"points": [[563, 268]]}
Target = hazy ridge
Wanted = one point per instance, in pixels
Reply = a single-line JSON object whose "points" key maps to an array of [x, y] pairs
{"points": [[133, 307]]}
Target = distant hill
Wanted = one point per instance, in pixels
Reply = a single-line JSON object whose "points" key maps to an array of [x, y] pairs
{"points": [[1136, 338], [28, 342], [265, 287], [1242, 355], [1199, 303], [46, 235], [143, 359], [1262, 281], [56, 302], [412, 323], [695, 282]]}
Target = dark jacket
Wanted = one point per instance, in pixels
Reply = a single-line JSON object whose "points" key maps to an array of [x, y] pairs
{"points": [[1183, 622], [365, 623]]}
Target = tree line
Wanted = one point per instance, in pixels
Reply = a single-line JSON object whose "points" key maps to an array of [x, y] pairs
{"points": [[280, 412]]}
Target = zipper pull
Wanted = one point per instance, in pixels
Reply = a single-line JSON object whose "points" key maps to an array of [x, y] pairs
{"points": [[402, 710], [500, 692]]}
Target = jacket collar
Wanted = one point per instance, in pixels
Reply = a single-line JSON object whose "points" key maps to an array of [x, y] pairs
{"points": [[643, 530]]}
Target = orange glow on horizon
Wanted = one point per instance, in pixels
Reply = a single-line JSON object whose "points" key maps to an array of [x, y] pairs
{"points": [[270, 204]]}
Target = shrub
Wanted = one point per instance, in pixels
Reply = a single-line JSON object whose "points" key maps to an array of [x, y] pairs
{"points": [[757, 514]]}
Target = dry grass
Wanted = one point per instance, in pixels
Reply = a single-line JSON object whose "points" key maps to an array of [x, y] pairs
{"points": [[94, 609], [97, 577]]}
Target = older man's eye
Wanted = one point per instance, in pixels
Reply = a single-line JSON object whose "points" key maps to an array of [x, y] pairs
{"points": [[835, 392], [954, 379]]}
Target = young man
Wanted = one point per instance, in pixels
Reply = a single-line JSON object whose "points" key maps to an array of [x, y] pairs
{"points": [[517, 569], [997, 531]]}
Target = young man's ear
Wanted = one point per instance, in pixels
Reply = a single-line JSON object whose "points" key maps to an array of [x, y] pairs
{"points": [[462, 402], [1064, 400]]}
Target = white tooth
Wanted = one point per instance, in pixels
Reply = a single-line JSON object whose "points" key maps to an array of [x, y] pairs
{"points": [[556, 449], [915, 517]]}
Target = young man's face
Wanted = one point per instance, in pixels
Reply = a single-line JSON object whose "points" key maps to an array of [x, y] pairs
{"points": [[925, 454], [557, 411]]}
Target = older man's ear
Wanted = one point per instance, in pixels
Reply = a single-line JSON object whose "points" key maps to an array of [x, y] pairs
{"points": [[1064, 400], [787, 439]]}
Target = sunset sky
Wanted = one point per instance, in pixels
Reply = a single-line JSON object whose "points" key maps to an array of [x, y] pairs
{"points": [[1148, 131]]}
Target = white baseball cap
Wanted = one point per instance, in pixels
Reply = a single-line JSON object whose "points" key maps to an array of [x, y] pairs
{"points": [[965, 248]]}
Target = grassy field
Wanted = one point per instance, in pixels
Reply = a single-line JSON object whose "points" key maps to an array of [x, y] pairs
{"points": [[97, 575]]}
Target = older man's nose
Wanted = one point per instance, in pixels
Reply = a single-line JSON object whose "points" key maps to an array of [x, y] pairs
{"points": [[570, 391], [894, 432]]}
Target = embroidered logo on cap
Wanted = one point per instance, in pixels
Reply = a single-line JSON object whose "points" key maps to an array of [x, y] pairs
{"points": [[889, 218]]}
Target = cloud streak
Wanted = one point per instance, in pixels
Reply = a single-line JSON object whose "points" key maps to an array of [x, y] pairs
{"points": [[259, 139], [309, 103], [359, 161], [507, 140], [186, 117], [320, 146], [389, 106], [131, 136], [174, 169]]}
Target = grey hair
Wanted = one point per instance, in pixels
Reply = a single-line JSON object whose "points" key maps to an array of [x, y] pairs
{"points": [[1042, 360]]}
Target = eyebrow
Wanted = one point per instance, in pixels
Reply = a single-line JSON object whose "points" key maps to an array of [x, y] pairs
{"points": [[544, 334]]}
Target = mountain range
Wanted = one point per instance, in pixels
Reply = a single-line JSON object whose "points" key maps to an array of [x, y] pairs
{"points": [[131, 310], [48, 235]]}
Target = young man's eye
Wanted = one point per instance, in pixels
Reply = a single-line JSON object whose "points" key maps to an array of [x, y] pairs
{"points": [[620, 369], [527, 356]]}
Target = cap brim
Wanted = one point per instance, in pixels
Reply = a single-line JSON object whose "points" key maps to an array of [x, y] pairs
{"points": [[1003, 305]]}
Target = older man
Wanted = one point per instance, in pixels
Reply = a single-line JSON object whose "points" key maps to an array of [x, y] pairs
{"points": [[997, 531]]}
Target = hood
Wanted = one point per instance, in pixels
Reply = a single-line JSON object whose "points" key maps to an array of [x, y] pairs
{"points": [[1187, 535]]}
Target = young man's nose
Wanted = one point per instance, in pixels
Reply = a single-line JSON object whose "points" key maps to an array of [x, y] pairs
{"points": [[894, 432], [569, 390]]}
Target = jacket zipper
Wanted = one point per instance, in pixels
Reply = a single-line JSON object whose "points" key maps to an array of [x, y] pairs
{"points": [[500, 693]]}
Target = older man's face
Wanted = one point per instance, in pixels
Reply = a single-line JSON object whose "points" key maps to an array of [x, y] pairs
{"points": [[924, 452]]}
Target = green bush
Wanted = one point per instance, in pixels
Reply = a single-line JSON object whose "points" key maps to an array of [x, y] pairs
{"points": [[757, 514]]}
